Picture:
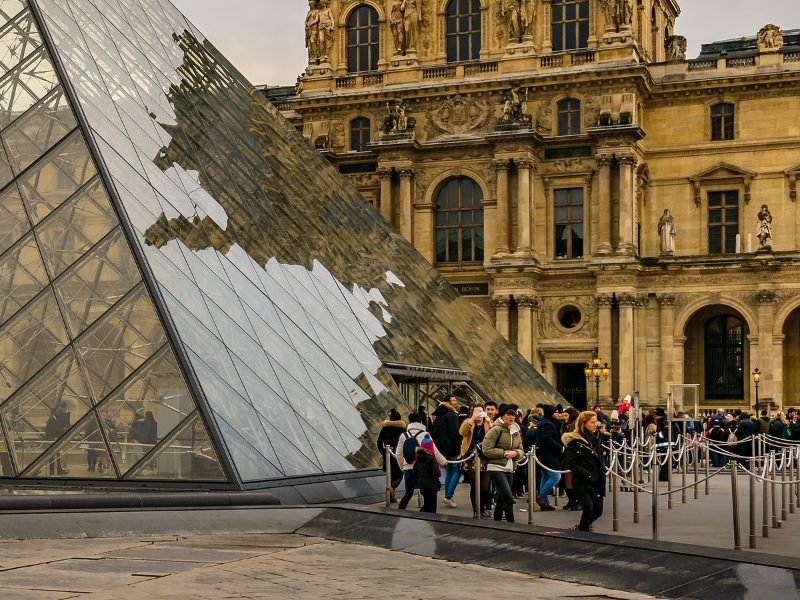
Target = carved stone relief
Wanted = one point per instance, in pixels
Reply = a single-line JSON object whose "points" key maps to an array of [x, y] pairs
{"points": [[544, 117], [591, 112], [548, 317], [770, 38], [458, 115]]}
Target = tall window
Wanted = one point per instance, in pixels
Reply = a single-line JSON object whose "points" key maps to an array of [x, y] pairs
{"points": [[463, 30], [724, 358], [570, 24], [722, 121], [569, 117], [363, 40], [459, 222], [723, 222], [359, 134], [568, 211]]}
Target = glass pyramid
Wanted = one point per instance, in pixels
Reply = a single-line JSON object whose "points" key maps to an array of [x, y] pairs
{"points": [[188, 291]]}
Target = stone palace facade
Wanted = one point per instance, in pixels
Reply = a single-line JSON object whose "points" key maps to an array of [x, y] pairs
{"points": [[566, 167]]}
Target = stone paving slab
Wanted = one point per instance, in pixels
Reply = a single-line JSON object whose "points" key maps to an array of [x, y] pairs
{"points": [[280, 566]]}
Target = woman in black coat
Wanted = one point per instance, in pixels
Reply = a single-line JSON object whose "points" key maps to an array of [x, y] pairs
{"points": [[583, 458]]}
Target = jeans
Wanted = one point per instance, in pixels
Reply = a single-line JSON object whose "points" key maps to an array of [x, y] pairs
{"points": [[549, 480], [410, 479], [429, 502], [452, 474], [504, 499], [592, 504]]}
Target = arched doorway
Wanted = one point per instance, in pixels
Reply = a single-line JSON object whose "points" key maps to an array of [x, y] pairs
{"points": [[791, 359], [717, 355]]}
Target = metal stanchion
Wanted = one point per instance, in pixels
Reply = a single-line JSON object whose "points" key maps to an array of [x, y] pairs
{"points": [[765, 508], [784, 504], [615, 491], [695, 463], [388, 454], [635, 476], [708, 467], [476, 473], [772, 473], [669, 467], [654, 490], [531, 483], [792, 463], [752, 535], [737, 535], [684, 464]]}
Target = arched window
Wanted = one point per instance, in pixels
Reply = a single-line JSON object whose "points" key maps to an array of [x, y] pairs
{"points": [[569, 117], [722, 116], [570, 24], [363, 40], [463, 30], [359, 134], [459, 221], [724, 358]]}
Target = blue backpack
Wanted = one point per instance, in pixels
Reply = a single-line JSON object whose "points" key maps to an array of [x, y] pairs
{"points": [[410, 447]]}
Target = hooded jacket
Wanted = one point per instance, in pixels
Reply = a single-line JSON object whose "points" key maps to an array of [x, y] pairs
{"points": [[499, 439], [548, 444], [582, 457], [414, 430], [445, 430]]}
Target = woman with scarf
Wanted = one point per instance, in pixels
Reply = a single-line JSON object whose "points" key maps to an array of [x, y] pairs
{"points": [[584, 459], [502, 447]]}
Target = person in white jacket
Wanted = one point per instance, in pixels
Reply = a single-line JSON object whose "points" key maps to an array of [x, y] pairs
{"points": [[415, 429]]}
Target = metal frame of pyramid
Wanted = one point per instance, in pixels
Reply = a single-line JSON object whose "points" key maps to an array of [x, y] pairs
{"points": [[192, 296]]}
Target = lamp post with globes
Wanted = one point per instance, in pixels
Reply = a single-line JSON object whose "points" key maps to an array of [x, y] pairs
{"points": [[756, 379], [598, 373]]}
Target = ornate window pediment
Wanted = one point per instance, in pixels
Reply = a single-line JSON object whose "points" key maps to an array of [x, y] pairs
{"points": [[794, 175], [722, 174]]}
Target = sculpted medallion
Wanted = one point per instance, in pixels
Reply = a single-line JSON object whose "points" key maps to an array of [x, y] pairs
{"points": [[458, 116]]}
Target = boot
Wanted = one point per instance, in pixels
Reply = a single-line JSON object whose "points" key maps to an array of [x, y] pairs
{"points": [[544, 505], [392, 497]]}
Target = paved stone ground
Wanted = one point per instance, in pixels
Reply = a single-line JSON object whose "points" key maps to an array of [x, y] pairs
{"points": [[255, 566], [707, 521]]}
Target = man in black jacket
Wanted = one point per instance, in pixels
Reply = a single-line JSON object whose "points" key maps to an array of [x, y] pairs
{"points": [[745, 429], [448, 441], [548, 452]]}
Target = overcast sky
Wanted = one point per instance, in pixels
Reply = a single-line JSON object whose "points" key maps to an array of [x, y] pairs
{"points": [[265, 39]]}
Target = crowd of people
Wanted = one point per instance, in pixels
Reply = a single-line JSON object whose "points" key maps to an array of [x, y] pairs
{"points": [[430, 453]]}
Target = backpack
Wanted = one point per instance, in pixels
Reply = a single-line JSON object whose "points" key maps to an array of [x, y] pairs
{"points": [[410, 446], [787, 432]]}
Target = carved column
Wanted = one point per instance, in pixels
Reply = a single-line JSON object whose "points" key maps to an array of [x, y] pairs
{"points": [[502, 213], [626, 365], [667, 320], [627, 166], [525, 325], [489, 229], [765, 299], [385, 176], [406, 204], [524, 223], [545, 19], [604, 206], [424, 215], [604, 340], [502, 306], [641, 379]]}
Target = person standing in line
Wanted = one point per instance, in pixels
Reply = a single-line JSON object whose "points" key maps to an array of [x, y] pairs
{"points": [[548, 452], [445, 434], [583, 458], [502, 446], [427, 472], [391, 431], [473, 430], [406, 455]]}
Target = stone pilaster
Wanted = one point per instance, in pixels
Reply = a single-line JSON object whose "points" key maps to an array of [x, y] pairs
{"points": [[502, 237], [527, 307], [666, 304], [604, 302], [385, 177], [603, 246], [765, 302], [627, 332], [502, 306], [524, 221], [406, 204], [627, 169]]}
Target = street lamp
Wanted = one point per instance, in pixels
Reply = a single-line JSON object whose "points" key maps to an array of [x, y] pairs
{"points": [[598, 373], [756, 379]]}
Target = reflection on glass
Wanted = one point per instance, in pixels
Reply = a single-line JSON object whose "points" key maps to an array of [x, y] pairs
{"points": [[250, 465], [22, 277], [42, 411], [82, 454], [190, 455], [98, 281]]}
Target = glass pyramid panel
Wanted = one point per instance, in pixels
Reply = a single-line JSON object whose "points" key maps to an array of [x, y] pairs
{"points": [[22, 277], [286, 291]]}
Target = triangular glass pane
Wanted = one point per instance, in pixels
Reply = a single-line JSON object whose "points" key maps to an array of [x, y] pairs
{"points": [[45, 408], [82, 454], [29, 341], [250, 465], [39, 130], [98, 281], [190, 456], [24, 86], [292, 461], [18, 39], [56, 177], [331, 459], [6, 466], [153, 402], [9, 9], [22, 277], [120, 342]]}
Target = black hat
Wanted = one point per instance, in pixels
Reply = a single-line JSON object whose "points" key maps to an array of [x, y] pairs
{"points": [[549, 410], [394, 415], [660, 412]]}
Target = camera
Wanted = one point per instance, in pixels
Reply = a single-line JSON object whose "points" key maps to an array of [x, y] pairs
{"points": [[482, 414]]}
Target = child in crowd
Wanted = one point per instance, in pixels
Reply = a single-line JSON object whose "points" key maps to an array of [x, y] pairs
{"points": [[427, 471]]}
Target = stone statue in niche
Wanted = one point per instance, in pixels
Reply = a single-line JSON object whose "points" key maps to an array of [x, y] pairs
{"points": [[627, 12], [666, 232], [327, 25], [397, 26], [510, 10], [514, 116], [770, 38], [412, 16], [675, 46], [312, 31], [764, 227], [528, 18], [618, 13], [398, 123]]}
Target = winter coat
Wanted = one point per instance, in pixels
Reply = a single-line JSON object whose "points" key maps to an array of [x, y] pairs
{"points": [[390, 433], [445, 430], [472, 434], [427, 472], [499, 439], [583, 458], [776, 428], [548, 444], [414, 430]]}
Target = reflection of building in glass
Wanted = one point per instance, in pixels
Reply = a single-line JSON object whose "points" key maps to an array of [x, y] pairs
{"points": [[189, 292]]}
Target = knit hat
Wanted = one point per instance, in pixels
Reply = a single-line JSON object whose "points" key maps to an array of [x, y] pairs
{"points": [[394, 415], [549, 410], [660, 412], [427, 444]]}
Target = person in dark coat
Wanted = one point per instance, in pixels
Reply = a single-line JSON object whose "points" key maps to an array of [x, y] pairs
{"points": [[745, 429], [548, 452], [583, 458], [444, 432], [427, 473], [390, 433]]}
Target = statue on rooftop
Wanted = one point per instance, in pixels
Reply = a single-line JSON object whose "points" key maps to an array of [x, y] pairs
{"points": [[770, 38], [676, 47], [312, 31]]}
